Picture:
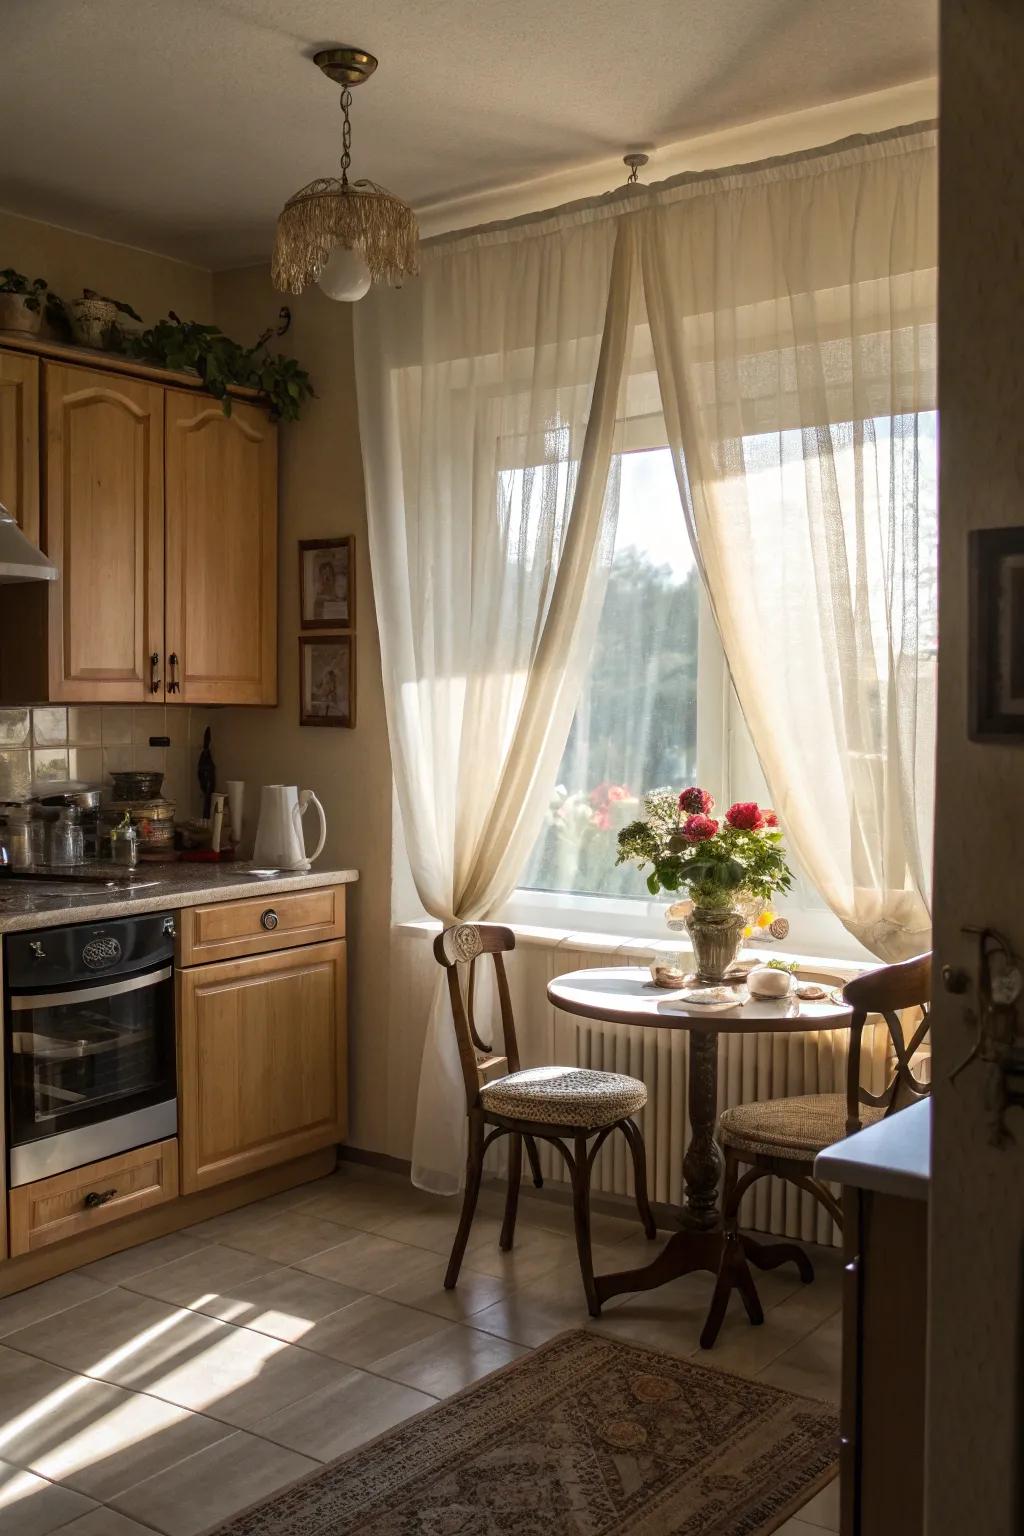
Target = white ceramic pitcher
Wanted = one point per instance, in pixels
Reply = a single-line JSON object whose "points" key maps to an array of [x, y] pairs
{"points": [[279, 839]]}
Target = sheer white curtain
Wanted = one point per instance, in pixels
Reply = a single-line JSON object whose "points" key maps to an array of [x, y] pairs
{"points": [[488, 401], [792, 308]]}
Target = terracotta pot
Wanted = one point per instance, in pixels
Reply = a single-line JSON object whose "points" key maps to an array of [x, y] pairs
{"points": [[16, 316]]}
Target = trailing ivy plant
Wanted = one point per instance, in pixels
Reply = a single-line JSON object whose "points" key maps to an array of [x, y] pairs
{"points": [[185, 346]]}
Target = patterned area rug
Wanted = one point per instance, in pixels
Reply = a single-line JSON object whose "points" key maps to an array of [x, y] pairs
{"points": [[585, 1437]]}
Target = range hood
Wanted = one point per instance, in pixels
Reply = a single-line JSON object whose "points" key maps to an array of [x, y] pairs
{"points": [[19, 558]]}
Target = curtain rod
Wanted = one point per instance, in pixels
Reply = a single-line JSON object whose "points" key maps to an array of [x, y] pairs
{"points": [[632, 198]]}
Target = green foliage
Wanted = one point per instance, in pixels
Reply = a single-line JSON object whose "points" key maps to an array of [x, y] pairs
{"points": [[32, 291], [186, 346], [717, 871], [791, 966], [648, 632]]}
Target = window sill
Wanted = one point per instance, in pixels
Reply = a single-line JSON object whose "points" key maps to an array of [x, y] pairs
{"points": [[643, 950]]}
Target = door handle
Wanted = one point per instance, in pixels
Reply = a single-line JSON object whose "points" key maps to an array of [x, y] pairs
{"points": [[172, 661], [154, 681], [269, 920]]}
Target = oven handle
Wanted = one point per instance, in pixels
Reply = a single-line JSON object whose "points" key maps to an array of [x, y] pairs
{"points": [[90, 994]]}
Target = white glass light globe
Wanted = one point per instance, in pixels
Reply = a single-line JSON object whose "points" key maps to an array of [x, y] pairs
{"points": [[345, 276]]}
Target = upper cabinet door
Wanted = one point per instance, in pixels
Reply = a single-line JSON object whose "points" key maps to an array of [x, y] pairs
{"points": [[103, 528], [221, 599], [19, 440]]}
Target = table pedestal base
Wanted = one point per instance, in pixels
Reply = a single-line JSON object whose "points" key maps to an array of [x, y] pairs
{"points": [[728, 1255]]}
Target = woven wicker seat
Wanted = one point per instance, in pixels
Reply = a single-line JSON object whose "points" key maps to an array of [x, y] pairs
{"points": [[565, 1096], [802, 1126]]}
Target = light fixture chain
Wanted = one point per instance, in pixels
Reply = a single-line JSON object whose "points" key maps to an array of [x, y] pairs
{"points": [[346, 135]]}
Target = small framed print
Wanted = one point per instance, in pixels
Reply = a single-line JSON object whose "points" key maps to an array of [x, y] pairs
{"points": [[327, 680], [996, 629], [327, 598]]}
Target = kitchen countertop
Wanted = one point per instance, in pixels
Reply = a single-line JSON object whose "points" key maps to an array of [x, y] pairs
{"points": [[154, 887], [892, 1157]]}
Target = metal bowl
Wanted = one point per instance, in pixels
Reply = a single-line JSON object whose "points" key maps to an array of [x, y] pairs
{"points": [[137, 784]]}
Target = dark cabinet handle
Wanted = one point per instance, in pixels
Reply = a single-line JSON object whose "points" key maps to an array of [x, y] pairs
{"points": [[154, 681], [172, 661], [269, 920], [94, 1198]]}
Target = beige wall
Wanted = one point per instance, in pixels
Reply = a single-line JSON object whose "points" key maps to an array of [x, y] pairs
{"points": [[321, 487], [976, 1343], [70, 262]]}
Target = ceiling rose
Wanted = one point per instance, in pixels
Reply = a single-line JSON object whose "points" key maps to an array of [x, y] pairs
{"points": [[344, 234]]}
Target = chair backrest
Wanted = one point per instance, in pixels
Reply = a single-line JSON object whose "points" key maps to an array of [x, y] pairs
{"points": [[888, 991], [463, 945]]}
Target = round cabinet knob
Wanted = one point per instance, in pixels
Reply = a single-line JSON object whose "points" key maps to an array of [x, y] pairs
{"points": [[269, 920]]}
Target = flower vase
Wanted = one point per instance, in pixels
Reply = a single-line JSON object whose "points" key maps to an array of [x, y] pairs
{"points": [[715, 935]]}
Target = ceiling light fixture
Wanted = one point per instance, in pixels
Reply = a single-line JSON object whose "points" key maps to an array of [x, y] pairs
{"points": [[344, 234]]}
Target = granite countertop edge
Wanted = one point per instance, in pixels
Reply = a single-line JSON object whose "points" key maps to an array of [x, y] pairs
{"points": [[892, 1157], [178, 885]]}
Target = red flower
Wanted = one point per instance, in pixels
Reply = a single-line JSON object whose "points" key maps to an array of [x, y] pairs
{"points": [[696, 801], [699, 828], [770, 819], [745, 816], [602, 820], [617, 792]]}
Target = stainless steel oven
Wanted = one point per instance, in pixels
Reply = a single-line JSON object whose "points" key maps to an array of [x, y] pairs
{"points": [[89, 1042]]}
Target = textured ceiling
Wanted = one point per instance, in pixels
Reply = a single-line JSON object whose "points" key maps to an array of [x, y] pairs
{"points": [[182, 125]]}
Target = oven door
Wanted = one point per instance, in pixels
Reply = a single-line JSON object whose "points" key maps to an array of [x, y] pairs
{"points": [[91, 1072]]}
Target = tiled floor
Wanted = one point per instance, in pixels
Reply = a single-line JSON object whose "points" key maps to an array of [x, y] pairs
{"points": [[163, 1388]]}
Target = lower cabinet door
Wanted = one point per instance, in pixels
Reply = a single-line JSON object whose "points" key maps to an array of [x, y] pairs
{"points": [[262, 1072], [67, 1204]]}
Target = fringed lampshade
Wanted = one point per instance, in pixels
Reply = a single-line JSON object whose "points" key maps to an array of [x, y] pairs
{"points": [[333, 212]]}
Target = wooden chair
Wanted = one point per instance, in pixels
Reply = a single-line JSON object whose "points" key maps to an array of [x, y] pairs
{"points": [[784, 1136], [553, 1104]]}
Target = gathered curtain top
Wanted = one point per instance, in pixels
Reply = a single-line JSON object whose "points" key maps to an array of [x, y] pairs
{"points": [[629, 199]]}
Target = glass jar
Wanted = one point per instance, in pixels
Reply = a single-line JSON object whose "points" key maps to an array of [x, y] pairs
{"points": [[124, 842], [67, 845], [19, 836]]}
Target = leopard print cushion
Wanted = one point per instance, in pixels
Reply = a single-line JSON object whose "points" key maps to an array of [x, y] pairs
{"points": [[565, 1096]]}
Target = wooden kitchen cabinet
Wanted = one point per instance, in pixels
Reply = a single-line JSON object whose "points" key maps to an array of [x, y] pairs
{"points": [[160, 514], [19, 440], [262, 1074], [221, 606]]}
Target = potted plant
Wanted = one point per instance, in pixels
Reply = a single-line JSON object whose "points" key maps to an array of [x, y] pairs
{"points": [[723, 866], [21, 302], [96, 321], [186, 346]]}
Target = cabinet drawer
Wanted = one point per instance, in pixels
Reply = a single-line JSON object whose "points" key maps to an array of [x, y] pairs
{"points": [[61, 1206], [228, 930]]}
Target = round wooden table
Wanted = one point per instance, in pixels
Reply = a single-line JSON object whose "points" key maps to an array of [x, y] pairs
{"points": [[627, 995]]}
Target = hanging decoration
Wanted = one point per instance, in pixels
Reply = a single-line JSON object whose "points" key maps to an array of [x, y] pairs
{"points": [[339, 233]]}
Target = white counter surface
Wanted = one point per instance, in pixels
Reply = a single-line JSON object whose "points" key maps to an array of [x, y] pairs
{"points": [[152, 888], [893, 1157]]}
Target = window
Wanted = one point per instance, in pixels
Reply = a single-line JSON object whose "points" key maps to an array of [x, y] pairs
{"points": [[658, 707]]}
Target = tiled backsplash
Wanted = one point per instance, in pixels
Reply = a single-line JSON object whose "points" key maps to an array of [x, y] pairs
{"points": [[49, 742]]}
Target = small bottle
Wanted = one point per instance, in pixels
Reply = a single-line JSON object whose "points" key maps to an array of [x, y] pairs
{"points": [[67, 845], [124, 842]]}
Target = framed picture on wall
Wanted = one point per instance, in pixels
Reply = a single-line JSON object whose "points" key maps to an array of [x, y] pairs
{"points": [[327, 597], [327, 680], [996, 631]]}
